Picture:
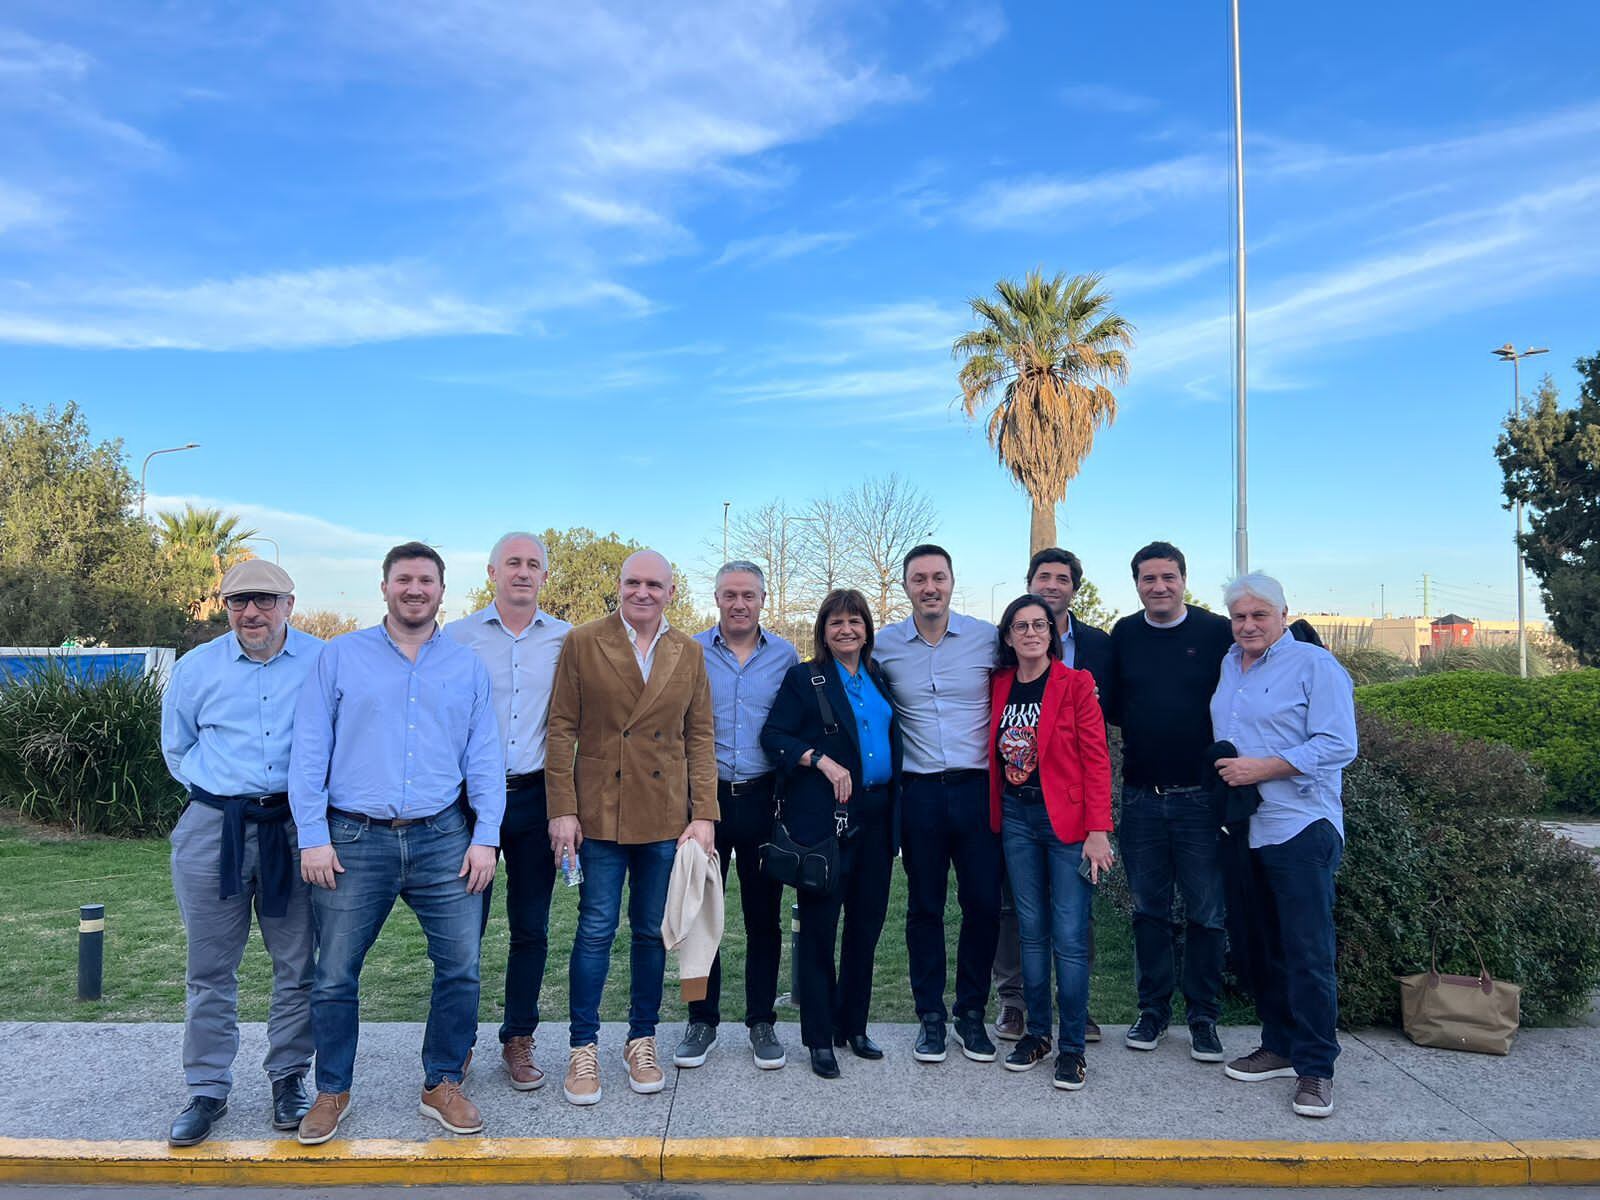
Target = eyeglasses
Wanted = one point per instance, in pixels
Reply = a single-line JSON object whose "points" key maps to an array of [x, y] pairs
{"points": [[264, 601], [1038, 626]]}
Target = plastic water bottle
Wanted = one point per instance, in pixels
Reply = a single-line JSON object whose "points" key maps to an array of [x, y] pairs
{"points": [[571, 868]]}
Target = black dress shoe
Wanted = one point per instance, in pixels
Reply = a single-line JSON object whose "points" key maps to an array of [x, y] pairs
{"points": [[824, 1063], [193, 1125], [860, 1045], [289, 1102]]}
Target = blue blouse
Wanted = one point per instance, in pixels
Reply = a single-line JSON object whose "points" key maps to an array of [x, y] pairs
{"points": [[873, 713]]}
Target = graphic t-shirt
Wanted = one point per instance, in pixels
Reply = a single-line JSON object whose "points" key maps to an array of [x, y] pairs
{"points": [[1017, 740]]}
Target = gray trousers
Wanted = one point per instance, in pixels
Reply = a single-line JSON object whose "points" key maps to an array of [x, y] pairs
{"points": [[1008, 951], [218, 931]]}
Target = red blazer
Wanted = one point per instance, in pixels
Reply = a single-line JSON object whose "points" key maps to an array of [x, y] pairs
{"points": [[1074, 761]]}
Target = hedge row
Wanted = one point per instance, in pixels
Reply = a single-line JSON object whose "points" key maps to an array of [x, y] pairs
{"points": [[1555, 720]]}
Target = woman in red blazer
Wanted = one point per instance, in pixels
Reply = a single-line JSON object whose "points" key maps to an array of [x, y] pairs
{"points": [[1050, 801]]}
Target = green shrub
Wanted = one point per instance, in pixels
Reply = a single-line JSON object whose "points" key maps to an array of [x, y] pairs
{"points": [[1372, 664], [1431, 852], [1554, 719], [86, 754]]}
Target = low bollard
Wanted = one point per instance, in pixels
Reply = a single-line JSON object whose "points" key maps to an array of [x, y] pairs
{"points": [[91, 949]]}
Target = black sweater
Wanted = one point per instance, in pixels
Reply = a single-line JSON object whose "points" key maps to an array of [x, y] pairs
{"points": [[1164, 679]]}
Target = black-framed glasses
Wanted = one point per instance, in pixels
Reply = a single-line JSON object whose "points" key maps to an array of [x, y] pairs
{"points": [[264, 601], [1037, 625]]}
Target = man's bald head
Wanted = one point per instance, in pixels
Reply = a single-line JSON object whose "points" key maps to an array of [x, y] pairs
{"points": [[646, 589]]}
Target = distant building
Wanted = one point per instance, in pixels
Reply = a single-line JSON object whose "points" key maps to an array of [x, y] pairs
{"points": [[1414, 638]]}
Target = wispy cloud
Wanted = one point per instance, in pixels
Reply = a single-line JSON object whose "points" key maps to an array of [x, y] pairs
{"points": [[20, 208], [775, 247], [1109, 195], [1099, 97]]}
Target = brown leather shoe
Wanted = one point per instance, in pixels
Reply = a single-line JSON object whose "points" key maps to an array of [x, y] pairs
{"points": [[322, 1122], [517, 1054], [1011, 1025], [447, 1104], [645, 1075]]}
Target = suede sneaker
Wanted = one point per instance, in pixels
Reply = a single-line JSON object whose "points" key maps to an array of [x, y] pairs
{"points": [[517, 1054], [645, 1075], [447, 1104], [1313, 1097], [697, 1042], [582, 1085], [930, 1040], [1028, 1053], [974, 1040], [1070, 1072], [1260, 1064], [1146, 1033], [1204, 1044], [322, 1122], [1013, 1023]]}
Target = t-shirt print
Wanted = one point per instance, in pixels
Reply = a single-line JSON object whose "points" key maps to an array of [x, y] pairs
{"points": [[1017, 742]]}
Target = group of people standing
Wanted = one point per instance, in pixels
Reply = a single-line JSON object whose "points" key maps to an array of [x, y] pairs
{"points": [[399, 762]]}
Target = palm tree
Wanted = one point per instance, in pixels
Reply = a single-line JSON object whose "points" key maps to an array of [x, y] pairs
{"points": [[201, 544], [1049, 349]]}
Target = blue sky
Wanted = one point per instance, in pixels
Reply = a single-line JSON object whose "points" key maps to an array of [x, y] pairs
{"points": [[444, 268]]}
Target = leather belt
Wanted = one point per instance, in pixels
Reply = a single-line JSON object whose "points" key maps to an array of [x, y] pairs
{"points": [[961, 775], [388, 822], [747, 787], [1187, 789], [1024, 794], [517, 783]]}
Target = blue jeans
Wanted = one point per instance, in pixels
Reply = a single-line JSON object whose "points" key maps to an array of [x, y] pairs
{"points": [[420, 864], [1053, 904], [1167, 840], [1296, 991], [648, 870]]}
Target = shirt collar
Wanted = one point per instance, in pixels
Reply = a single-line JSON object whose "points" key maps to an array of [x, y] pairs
{"points": [[491, 615], [383, 628], [952, 627], [633, 634], [286, 648], [718, 640]]}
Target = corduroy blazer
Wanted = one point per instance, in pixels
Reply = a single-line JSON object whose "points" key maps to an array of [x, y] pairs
{"points": [[1074, 761], [634, 762]]}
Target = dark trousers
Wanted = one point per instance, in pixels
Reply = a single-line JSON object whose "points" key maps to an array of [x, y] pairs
{"points": [[1291, 929], [745, 825], [1169, 840], [945, 824], [530, 878], [837, 1002]]}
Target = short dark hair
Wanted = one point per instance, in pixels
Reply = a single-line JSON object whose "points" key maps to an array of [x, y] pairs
{"points": [[413, 550], [1008, 655], [1160, 550], [922, 551], [847, 601], [1055, 554]]}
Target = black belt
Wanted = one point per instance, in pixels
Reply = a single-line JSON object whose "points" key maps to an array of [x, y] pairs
{"points": [[957, 776], [1024, 794], [269, 814], [389, 822], [1182, 789], [746, 787], [518, 783]]}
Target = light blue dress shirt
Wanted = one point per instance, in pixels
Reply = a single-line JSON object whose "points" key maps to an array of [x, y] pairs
{"points": [[741, 698], [941, 693], [227, 720], [1295, 703], [1069, 644], [873, 714], [522, 668], [380, 735]]}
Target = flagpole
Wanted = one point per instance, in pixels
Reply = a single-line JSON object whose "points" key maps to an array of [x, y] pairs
{"points": [[1241, 521]]}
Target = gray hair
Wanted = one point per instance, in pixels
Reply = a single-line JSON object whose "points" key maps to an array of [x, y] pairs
{"points": [[505, 538], [1257, 584], [737, 565]]}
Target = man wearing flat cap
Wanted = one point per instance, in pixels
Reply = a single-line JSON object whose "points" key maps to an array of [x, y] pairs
{"points": [[226, 723]]}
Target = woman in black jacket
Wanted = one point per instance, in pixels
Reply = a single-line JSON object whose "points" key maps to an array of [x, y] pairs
{"points": [[839, 756]]}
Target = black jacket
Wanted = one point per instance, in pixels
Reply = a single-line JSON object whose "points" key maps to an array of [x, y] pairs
{"points": [[795, 725], [1093, 650]]}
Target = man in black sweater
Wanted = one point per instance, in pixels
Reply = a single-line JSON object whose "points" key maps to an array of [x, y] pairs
{"points": [[1165, 665]]}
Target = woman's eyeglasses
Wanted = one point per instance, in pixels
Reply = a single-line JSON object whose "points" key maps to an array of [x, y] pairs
{"points": [[1038, 626]]}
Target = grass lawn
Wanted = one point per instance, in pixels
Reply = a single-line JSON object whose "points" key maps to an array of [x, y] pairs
{"points": [[45, 876]]}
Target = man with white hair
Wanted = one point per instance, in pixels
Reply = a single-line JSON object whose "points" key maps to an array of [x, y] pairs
{"points": [[519, 642], [631, 774], [1288, 707]]}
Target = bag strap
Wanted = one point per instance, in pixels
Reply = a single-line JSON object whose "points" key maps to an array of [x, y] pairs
{"points": [[1485, 980], [830, 723]]}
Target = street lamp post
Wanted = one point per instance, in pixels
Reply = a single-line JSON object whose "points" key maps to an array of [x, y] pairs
{"points": [[1508, 353], [992, 589], [260, 538], [1241, 511], [146, 467], [783, 560], [726, 504]]}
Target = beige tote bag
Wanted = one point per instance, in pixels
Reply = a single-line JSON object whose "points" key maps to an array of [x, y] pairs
{"points": [[1460, 1012]]}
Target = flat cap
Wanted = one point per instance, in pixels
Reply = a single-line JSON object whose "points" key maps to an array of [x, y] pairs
{"points": [[257, 575]]}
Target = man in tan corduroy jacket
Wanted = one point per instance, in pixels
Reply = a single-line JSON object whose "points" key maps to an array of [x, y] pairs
{"points": [[630, 773]]}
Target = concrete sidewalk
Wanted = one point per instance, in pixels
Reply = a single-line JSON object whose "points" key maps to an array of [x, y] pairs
{"points": [[91, 1103]]}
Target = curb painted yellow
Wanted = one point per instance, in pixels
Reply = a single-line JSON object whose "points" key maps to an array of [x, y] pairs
{"points": [[819, 1160]]}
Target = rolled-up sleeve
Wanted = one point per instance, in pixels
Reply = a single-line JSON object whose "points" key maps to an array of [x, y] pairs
{"points": [[312, 752], [483, 764], [1330, 721]]}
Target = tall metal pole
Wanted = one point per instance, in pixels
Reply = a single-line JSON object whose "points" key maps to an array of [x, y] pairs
{"points": [[146, 467], [725, 505], [1508, 353], [1241, 516]]}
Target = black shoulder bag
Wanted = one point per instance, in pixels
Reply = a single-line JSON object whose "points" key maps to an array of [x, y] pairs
{"points": [[811, 869]]}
